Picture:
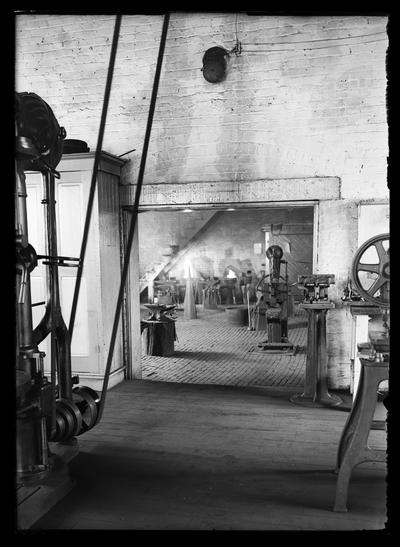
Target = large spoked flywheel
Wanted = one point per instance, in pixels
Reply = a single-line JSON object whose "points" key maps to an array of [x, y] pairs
{"points": [[371, 270]]}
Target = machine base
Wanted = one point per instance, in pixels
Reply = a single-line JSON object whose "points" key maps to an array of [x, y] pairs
{"points": [[326, 400], [34, 501], [277, 347]]}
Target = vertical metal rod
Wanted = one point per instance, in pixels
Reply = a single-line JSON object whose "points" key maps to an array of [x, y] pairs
{"points": [[50, 234], [25, 307], [94, 173], [134, 214], [60, 339]]}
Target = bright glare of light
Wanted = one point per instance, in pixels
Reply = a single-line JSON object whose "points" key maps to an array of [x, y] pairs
{"points": [[231, 275]]}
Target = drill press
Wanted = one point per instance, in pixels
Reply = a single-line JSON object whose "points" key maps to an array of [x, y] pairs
{"points": [[316, 304], [272, 293]]}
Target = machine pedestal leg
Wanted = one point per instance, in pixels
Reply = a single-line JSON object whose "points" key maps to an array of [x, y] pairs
{"points": [[353, 448], [316, 379]]}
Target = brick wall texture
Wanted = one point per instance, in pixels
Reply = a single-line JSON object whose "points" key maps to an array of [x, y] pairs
{"points": [[306, 97]]}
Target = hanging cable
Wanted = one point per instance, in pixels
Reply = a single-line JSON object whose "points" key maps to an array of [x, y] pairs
{"points": [[335, 38], [314, 48], [237, 48], [94, 172], [134, 216]]}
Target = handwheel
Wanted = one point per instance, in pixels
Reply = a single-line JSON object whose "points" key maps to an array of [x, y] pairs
{"points": [[371, 270]]}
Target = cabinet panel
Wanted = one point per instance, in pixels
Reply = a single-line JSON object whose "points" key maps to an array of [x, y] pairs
{"points": [[70, 218], [81, 336], [101, 272]]}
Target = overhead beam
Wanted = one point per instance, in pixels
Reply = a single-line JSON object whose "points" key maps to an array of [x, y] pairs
{"points": [[265, 190]]}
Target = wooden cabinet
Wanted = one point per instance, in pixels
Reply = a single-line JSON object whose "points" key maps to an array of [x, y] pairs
{"points": [[102, 264]]}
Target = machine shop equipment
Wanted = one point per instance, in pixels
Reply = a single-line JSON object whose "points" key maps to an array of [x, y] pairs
{"points": [[371, 278], [272, 292], [316, 303], [54, 410], [315, 287], [211, 296], [48, 410]]}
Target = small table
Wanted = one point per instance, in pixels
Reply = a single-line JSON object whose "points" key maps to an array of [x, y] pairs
{"points": [[316, 379]]}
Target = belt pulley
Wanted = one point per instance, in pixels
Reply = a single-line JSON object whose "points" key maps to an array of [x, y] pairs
{"points": [[371, 270], [74, 417]]}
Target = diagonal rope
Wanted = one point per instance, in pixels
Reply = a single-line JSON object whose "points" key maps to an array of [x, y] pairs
{"points": [[94, 172], [134, 215]]}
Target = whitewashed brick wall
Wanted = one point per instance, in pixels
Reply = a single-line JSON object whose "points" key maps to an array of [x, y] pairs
{"points": [[309, 102]]}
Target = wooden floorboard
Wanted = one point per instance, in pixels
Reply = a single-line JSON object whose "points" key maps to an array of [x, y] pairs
{"points": [[191, 457]]}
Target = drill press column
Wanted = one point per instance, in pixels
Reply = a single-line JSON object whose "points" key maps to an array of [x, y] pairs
{"points": [[316, 377]]}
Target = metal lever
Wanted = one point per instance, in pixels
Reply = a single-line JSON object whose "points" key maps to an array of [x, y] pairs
{"points": [[22, 288]]}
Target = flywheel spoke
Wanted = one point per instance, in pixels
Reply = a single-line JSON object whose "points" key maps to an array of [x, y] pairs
{"points": [[377, 285], [373, 268], [383, 256]]}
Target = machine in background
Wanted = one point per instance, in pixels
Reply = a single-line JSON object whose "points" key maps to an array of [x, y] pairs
{"points": [[316, 304], [371, 278], [50, 412], [315, 287], [272, 293]]}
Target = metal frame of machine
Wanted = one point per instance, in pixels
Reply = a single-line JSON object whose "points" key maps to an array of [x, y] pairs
{"points": [[374, 355], [272, 293], [47, 411], [54, 411]]}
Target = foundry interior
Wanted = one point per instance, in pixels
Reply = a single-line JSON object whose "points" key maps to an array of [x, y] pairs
{"points": [[202, 272]]}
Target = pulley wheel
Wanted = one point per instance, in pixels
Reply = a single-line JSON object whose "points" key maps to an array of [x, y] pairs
{"points": [[61, 428], [371, 270], [72, 416], [88, 409], [85, 390]]}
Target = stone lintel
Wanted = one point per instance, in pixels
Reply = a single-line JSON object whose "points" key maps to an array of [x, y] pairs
{"points": [[267, 190]]}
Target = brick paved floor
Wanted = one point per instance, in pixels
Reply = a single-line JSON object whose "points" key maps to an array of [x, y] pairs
{"points": [[210, 350]]}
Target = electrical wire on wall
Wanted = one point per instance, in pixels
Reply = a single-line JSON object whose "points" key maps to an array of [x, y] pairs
{"points": [[246, 46], [237, 48]]}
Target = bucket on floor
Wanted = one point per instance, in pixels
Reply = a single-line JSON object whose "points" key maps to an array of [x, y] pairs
{"points": [[237, 315]]}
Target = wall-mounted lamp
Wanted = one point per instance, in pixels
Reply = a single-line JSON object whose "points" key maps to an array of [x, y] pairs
{"points": [[214, 64], [187, 210]]}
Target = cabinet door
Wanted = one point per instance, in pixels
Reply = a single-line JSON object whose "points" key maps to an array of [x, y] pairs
{"points": [[71, 201], [72, 192]]}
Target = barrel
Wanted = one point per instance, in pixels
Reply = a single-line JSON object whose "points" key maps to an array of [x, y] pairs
{"points": [[237, 315]]}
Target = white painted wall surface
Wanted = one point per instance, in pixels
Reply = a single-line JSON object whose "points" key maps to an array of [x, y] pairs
{"points": [[306, 98]]}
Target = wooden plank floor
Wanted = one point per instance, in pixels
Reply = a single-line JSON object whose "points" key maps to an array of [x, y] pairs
{"points": [[201, 457]]}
